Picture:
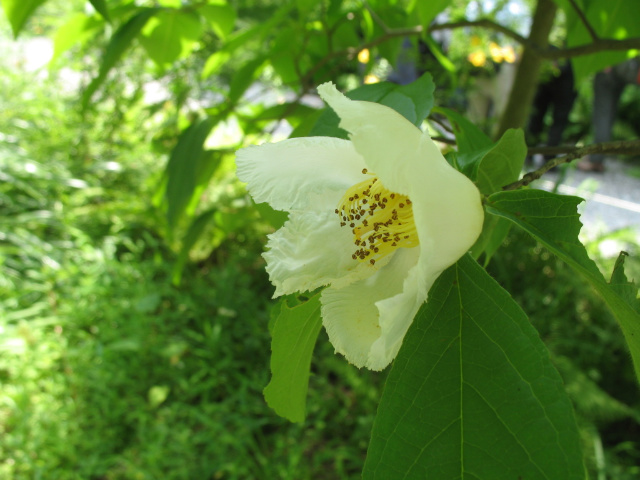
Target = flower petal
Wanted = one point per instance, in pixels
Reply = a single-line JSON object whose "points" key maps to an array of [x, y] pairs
{"points": [[381, 135], [366, 336], [312, 250], [300, 173]]}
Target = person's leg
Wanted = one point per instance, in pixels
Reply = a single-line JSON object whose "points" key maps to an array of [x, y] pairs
{"points": [[563, 99], [607, 88]]}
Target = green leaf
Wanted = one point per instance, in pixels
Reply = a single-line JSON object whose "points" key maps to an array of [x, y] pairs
{"points": [[184, 165], [494, 231], [472, 142], [18, 11], [244, 77], [101, 8], [171, 35], [622, 286], [473, 393], [413, 101], [118, 44], [427, 11], [502, 164], [78, 29], [554, 221], [610, 19], [194, 232], [221, 17], [293, 337]]}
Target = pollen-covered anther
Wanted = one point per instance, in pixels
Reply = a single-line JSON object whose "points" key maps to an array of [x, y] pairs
{"points": [[381, 221]]}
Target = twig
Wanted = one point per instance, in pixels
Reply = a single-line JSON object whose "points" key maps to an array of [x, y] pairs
{"points": [[585, 21], [629, 147]]}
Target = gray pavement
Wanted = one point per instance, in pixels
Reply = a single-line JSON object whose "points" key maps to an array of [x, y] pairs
{"points": [[612, 198]]}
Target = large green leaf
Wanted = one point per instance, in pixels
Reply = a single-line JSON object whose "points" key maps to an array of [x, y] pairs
{"points": [[18, 11], [554, 221], [413, 101], [473, 393], [171, 35], [294, 335], [185, 164], [118, 44]]}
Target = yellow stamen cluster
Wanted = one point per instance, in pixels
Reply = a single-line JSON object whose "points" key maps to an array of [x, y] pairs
{"points": [[381, 221]]}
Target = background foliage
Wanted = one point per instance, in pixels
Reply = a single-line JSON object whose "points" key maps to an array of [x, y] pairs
{"points": [[133, 302]]}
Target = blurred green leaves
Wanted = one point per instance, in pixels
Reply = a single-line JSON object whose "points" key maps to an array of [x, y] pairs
{"points": [[18, 11]]}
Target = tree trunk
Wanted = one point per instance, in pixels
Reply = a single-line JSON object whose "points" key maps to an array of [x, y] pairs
{"points": [[524, 86]]}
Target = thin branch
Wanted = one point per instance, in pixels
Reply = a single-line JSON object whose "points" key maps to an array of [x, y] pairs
{"points": [[484, 23], [585, 21], [628, 147]]}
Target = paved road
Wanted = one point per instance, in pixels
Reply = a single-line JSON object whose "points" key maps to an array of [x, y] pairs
{"points": [[612, 198]]}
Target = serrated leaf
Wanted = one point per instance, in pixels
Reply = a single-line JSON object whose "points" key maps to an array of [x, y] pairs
{"points": [[171, 35], [622, 286], [184, 165], [473, 394], [18, 11], [294, 336], [502, 164], [118, 44], [554, 221]]}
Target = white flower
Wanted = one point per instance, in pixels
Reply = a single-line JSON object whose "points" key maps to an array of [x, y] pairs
{"points": [[376, 218]]}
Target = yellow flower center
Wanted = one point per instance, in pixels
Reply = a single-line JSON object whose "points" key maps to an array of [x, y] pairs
{"points": [[381, 221]]}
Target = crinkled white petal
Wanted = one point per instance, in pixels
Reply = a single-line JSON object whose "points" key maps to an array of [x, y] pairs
{"points": [[381, 135], [312, 250], [364, 322], [300, 173]]}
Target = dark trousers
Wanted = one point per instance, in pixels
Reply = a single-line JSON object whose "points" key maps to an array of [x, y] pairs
{"points": [[557, 94], [607, 90]]}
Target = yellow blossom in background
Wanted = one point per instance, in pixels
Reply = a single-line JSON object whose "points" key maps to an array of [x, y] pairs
{"points": [[363, 56], [369, 79], [477, 58]]}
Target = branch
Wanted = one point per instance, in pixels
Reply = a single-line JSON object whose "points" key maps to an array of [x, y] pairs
{"points": [[597, 45], [585, 21], [628, 147]]}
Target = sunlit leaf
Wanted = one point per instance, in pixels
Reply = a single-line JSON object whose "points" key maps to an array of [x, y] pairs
{"points": [[18, 11], [101, 8], [170, 35], [294, 336], [554, 221], [119, 43], [473, 393], [183, 167], [221, 17]]}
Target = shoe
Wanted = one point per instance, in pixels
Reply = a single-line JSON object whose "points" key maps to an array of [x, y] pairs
{"points": [[586, 165]]}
